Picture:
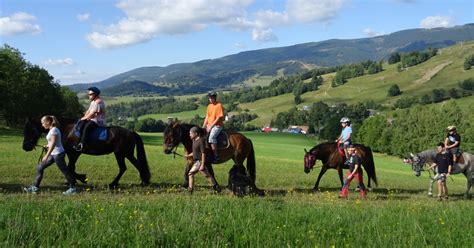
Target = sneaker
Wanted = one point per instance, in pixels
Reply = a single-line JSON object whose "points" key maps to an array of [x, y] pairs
{"points": [[31, 189], [70, 191], [78, 147]]}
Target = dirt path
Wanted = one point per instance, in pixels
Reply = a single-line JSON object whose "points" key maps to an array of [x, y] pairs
{"points": [[431, 73]]}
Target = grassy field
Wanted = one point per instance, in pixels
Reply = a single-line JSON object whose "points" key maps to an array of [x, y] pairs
{"points": [[397, 212]]}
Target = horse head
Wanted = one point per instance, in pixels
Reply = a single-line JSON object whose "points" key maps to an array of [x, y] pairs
{"points": [[171, 137], [417, 163], [309, 161], [31, 133]]}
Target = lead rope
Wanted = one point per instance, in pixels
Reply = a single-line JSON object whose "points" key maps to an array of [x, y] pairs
{"points": [[43, 151]]}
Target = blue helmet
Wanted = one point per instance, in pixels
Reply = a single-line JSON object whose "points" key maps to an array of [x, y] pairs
{"points": [[95, 90]]}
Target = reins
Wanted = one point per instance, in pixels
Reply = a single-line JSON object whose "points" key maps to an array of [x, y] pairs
{"points": [[43, 151]]}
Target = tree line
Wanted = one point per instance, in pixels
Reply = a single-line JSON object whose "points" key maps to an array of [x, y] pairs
{"points": [[149, 106], [416, 129], [29, 91]]}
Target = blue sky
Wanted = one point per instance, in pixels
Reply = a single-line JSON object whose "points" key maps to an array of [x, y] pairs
{"points": [[90, 40]]}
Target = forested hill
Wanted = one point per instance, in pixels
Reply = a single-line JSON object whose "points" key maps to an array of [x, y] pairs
{"points": [[222, 72]]}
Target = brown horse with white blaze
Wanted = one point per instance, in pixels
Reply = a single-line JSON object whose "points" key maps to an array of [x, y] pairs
{"points": [[240, 148]]}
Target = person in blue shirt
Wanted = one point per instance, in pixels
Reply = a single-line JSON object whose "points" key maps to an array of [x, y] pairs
{"points": [[344, 140]]}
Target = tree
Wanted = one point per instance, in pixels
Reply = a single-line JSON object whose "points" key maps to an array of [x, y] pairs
{"points": [[22, 83], [298, 99], [394, 90], [438, 95], [394, 58]]}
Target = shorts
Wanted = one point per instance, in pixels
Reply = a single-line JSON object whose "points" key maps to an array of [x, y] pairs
{"points": [[195, 168], [440, 177], [346, 144], [215, 131], [455, 151]]}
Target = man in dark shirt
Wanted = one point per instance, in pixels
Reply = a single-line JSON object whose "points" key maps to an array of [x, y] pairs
{"points": [[199, 159], [453, 142], [444, 164], [355, 170]]}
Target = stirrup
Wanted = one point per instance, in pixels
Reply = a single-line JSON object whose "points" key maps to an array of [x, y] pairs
{"points": [[79, 147]]}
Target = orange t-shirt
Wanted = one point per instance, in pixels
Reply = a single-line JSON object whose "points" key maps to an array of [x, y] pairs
{"points": [[215, 111]]}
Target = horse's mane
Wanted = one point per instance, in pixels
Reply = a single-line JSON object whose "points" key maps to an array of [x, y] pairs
{"points": [[322, 146], [427, 154]]}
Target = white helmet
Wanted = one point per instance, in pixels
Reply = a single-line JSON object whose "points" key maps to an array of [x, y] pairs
{"points": [[345, 120]]}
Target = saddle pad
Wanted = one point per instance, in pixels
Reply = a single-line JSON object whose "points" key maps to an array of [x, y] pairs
{"points": [[223, 140], [99, 133]]}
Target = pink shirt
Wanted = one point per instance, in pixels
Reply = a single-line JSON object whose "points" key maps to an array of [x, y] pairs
{"points": [[98, 107]]}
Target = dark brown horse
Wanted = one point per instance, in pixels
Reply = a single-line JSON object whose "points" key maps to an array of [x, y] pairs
{"points": [[239, 149], [332, 159], [120, 141]]}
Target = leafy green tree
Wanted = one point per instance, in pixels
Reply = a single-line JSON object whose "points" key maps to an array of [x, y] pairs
{"points": [[438, 95], [469, 62], [394, 58], [22, 83], [394, 90]]}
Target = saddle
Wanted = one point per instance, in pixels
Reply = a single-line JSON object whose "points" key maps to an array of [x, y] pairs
{"points": [[222, 140], [96, 134]]}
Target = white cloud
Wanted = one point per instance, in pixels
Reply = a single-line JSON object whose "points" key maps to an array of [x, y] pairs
{"points": [[147, 19], [63, 62], [436, 22], [19, 23], [309, 11], [83, 17], [264, 35], [371, 33]]}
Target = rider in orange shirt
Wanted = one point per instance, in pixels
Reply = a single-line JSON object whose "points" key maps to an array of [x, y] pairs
{"points": [[214, 121]]}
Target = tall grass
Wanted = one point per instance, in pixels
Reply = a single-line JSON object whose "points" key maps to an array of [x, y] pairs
{"points": [[397, 212]]}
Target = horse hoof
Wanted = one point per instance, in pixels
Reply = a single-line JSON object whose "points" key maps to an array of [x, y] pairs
{"points": [[113, 186], [430, 194]]}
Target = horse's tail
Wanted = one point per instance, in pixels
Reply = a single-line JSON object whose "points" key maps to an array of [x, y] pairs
{"points": [[370, 165], [251, 162], [142, 161]]}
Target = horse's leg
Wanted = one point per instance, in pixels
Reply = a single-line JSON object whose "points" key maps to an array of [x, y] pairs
{"points": [[339, 171], [470, 180], [187, 167], [430, 189], [122, 168], [210, 169], [321, 173], [73, 157], [135, 163]]}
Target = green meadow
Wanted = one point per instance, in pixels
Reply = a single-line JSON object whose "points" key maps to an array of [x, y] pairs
{"points": [[397, 212]]}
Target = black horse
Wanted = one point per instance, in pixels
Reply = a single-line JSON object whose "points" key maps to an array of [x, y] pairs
{"points": [[120, 141], [331, 158]]}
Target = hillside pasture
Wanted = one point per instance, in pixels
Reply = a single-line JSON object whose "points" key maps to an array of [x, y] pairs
{"points": [[397, 213]]}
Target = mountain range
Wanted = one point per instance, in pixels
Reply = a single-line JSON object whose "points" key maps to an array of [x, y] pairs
{"points": [[186, 78]]}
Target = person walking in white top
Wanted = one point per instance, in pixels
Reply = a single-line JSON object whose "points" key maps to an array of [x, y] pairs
{"points": [[55, 153]]}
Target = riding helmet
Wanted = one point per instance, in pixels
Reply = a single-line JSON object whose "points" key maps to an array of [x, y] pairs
{"points": [[95, 90], [345, 120], [212, 93]]}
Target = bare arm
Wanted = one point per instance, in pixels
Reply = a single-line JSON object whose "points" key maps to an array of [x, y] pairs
{"points": [[50, 147]]}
